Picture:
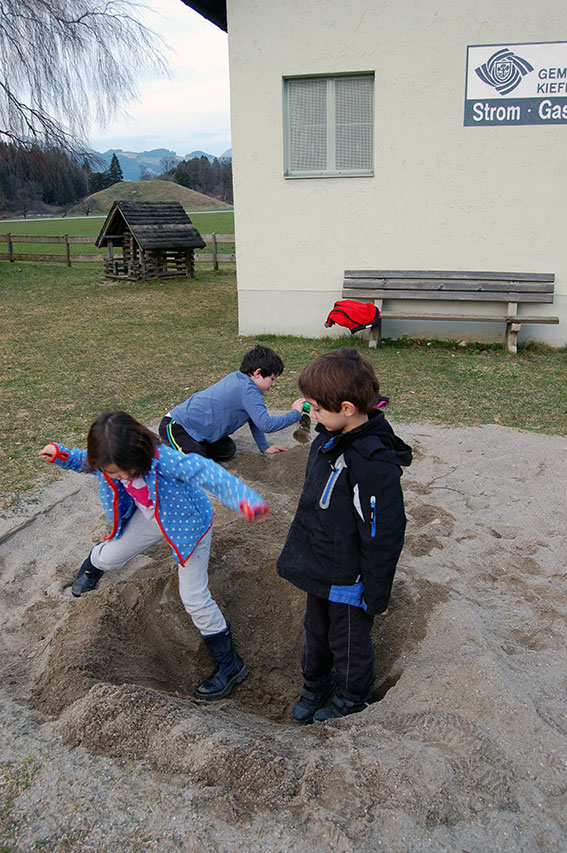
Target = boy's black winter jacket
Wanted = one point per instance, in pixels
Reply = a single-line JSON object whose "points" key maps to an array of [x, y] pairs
{"points": [[348, 531]]}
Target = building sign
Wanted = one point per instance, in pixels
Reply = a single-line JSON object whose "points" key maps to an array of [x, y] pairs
{"points": [[516, 84]]}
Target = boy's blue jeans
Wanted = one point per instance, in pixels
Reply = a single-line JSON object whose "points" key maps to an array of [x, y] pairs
{"points": [[338, 635]]}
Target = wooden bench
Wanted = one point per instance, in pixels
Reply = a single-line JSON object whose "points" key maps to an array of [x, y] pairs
{"points": [[512, 289]]}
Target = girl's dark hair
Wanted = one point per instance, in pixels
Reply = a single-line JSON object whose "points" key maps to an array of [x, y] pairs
{"points": [[339, 376], [117, 438], [264, 358]]}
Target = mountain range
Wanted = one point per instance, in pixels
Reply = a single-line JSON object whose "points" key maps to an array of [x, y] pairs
{"points": [[135, 164]]}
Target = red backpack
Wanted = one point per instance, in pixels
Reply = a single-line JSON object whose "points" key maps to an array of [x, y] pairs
{"points": [[354, 315]]}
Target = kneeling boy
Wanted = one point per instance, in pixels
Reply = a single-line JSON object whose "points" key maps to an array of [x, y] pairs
{"points": [[204, 423]]}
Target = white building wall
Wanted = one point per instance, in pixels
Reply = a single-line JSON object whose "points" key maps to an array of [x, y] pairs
{"points": [[443, 196]]}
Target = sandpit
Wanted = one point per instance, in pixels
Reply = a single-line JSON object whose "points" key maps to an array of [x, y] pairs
{"points": [[463, 748]]}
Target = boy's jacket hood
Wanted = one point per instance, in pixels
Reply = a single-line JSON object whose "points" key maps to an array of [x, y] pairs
{"points": [[376, 436]]}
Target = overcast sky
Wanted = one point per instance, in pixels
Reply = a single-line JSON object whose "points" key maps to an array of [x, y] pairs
{"points": [[188, 112]]}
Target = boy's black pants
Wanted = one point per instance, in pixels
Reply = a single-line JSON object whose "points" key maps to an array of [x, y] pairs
{"points": [[174, 435], [338, 635]]}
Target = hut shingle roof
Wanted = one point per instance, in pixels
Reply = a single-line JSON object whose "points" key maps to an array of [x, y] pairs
{"points": [[153, 224]]}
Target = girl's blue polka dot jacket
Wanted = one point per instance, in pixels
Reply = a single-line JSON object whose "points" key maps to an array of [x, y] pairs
{"points": [[176, 484]]}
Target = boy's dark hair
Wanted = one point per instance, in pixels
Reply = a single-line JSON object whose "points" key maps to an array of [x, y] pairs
{"points": [[264, 358], [338, 376], [117, 438]]}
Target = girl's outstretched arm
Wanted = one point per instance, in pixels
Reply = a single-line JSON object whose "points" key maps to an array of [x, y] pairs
{"points": [[215, 479], [73, 459]]}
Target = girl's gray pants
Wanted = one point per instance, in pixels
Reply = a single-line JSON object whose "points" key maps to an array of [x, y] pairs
{"points": [[139, 533]]}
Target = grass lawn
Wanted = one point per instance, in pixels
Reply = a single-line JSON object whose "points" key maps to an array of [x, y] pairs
{"points": [[73, 346]]}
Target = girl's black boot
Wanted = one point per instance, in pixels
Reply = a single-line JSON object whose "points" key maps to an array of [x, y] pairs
{"points": [[230, 670], [87, 578]]}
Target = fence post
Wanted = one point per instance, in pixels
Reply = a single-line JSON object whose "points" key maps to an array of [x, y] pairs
{"points": [[215, 258], [10, 248], [68, 250]]}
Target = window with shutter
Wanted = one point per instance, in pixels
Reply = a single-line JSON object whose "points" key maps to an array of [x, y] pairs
{"points": [[328, 126]]}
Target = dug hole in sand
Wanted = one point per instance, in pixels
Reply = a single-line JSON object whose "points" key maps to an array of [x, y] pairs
{"points": [[463, 749]]}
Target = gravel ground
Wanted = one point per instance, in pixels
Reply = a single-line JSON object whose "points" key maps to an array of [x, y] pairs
{"points": [[103, 747]]}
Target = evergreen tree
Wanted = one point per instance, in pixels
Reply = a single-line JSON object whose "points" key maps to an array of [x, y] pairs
{"points": [[115, 171], [99, 181]]}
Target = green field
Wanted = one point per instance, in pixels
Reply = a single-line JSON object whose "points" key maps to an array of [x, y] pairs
{"points": [[72, 345], [76, 226], [220, 222]]}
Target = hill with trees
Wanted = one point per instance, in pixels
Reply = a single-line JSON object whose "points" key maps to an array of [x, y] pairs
{"points": [[208, 175]]}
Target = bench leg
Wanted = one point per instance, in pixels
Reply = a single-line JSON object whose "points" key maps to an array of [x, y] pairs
{"points": [[512, 330], [375, 335], [376, 331]]}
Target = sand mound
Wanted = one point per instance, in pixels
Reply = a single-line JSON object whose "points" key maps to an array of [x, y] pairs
{"points": [[463, 748]]}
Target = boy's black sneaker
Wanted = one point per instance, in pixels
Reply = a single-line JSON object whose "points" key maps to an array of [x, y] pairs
{"points": [[342, 705], [312, 696], [87, 579]]}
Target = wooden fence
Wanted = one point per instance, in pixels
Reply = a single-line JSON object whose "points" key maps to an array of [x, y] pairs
{"points": [[213, 240]]}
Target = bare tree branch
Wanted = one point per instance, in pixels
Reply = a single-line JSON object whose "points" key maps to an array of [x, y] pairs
{"points": [[65, 63]]}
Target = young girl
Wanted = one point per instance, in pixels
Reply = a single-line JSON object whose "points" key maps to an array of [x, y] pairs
{"points": [[148, 491]]}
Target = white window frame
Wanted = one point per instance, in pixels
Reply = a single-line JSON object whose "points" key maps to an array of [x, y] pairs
{"points": [[331, 171]]}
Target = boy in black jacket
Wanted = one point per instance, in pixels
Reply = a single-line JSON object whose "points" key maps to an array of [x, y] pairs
{"points": [[347, 535]]}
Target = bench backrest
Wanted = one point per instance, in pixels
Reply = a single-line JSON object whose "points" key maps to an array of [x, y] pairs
{"points": [[471, 286]]}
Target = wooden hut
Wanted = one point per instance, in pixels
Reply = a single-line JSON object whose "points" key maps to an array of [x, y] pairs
{"points": [[157, 239]]}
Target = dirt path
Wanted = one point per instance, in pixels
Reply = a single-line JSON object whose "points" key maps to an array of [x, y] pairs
{"points": [[104, 749]]}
